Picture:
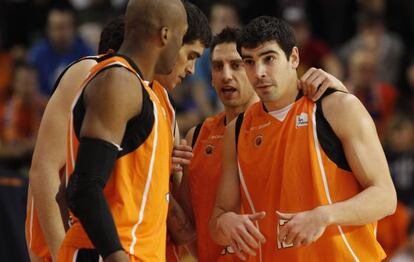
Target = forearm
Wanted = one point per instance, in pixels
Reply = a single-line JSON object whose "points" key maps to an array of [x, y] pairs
{"points": [[89, 205], [179, 225], [94, 164], [370, 205], [48, 210]]}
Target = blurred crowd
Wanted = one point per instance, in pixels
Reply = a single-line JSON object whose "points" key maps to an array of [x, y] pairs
{"points": [[365, 43]]}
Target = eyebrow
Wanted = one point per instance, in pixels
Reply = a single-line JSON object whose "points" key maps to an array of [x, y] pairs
{"points": [[266, 52], [231, 61], [197, 54]]}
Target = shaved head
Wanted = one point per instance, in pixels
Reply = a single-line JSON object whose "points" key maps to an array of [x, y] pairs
{"points": [[159, 24]]}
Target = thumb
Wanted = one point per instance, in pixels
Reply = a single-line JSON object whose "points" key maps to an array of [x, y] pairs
{"points": [[183, 142], [285, 216], [257, 216], [299, 85]]}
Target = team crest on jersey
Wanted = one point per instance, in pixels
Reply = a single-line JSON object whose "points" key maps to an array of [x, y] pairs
{"points": [[258, 140], [209, 149], [302, 120]]}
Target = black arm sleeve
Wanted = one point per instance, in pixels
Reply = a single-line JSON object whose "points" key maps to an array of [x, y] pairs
{"points": [[94, 164]]}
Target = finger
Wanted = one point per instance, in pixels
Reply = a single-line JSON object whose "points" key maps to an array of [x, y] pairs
{"points": [[183, 154], [285, 216], [308, 73], [177, 169], [249, 239], [315, 85], [183, 148], [180, 161], [257, 216], [297, 241], [243, 246], [306, 242], [183, 142], [255, 232], [290, 237], [236, 250], [299, 85], [321, 90]]}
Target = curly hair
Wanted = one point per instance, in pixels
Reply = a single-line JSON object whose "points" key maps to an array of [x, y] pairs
{"points": [[267, 28], [227, 35], [198, 26]]}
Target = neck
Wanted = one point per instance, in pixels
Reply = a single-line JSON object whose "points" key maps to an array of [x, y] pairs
{"points": [[142, 57], [286, 99], [233, 112]]}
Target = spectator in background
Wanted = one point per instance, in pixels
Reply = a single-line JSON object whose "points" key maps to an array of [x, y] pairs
{"points": [[21, 118], [399, 148], [386, 46], [313, 52], [377, 96], [407, 100], [61, 46], [203, 101]]}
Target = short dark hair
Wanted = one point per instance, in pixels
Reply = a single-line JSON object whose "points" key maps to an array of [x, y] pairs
{"points": [[112, 35], [226, 36], [267, 28], [198, 26]]}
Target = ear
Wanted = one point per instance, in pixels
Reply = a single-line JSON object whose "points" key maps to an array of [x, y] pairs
{"points": [[164, 35], [294, 57]]}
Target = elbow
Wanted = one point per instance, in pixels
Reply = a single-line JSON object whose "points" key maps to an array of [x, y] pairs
{"points": [[392, 201]]}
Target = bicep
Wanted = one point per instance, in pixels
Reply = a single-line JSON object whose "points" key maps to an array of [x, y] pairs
{"points": [[50, 147], [109, 105], [361, 144]]}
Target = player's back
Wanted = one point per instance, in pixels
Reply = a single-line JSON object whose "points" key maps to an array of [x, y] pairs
{"points": [[56, 113]]}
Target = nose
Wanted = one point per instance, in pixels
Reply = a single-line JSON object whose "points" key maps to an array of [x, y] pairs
{"points": [[227, 76], [260, 71], [190, 69]]}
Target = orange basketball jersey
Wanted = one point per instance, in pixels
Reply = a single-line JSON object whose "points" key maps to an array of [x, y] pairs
{"points": [[204, 177], [166, 102], [172, 251], [34, 235], [295, 165], [137, 191]]}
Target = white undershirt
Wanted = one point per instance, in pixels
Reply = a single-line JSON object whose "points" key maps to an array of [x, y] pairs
{"points": [[281, 113]]}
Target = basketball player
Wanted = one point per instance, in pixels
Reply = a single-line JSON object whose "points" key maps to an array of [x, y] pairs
{"points": [[120, 143], [196, 38], [45, 228], [236, 93], [311, 178]]}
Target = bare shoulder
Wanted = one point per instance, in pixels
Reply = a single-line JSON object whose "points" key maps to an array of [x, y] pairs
{"points": [[75, 75], [343, 111], [115, 89]]}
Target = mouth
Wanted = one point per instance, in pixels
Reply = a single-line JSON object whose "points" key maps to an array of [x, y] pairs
{"points": [[228, 90], [263, 86]]}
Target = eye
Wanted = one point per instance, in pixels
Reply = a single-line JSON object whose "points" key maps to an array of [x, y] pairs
{"points": [[217, 67], [270, 59], [236, 66], [248, 62]]}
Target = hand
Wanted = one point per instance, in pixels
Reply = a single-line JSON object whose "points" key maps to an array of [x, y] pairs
{"points": [[117, 256], [181, 155], [302, 228], [315, 82], [241, 233]]}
